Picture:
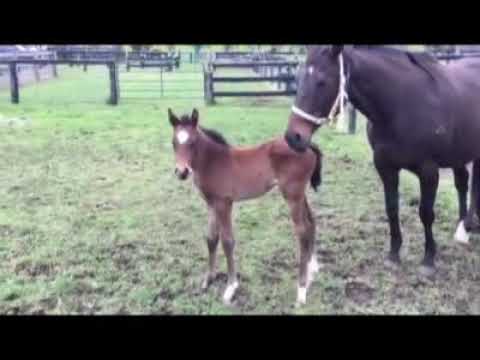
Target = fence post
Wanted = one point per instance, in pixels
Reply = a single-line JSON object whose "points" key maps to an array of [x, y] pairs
{"points": [[114, 83], [161, 81], [36, 72], [13, 82], [54, 66], [352, 123], [288, 84], [208, 86], [279, 74]]}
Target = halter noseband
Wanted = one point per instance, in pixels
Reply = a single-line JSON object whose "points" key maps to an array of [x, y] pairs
{"points": [[339, 100]]}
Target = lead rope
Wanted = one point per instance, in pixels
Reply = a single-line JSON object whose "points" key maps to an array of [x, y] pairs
{"points": [[342, 96]]}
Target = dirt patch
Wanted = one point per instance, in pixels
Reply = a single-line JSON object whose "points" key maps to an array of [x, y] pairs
{"points": [[34, 269], [6, 230], [359, 291]]}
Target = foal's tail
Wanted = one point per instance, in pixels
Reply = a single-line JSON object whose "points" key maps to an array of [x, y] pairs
{"points": [[316, 178]]}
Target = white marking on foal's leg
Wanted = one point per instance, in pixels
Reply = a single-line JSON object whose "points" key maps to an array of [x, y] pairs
{"points": [[312, 268], [182, 136], [230, 291], [301, 296], [461, 235]]}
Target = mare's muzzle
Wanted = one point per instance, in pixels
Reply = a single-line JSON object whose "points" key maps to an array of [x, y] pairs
{"points": [[296, 142]]}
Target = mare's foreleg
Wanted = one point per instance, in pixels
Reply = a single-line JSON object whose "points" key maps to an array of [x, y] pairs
{"points": [[429, 177], [390, 180]]}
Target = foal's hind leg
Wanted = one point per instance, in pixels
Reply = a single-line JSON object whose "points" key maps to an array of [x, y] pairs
{"points": [[461, 183], [212, 243]]}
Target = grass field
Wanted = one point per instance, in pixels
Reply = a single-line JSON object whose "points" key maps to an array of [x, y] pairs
{"points": [[93, 221]]}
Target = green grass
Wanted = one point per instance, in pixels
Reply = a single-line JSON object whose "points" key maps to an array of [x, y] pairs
{"points": [[92, 219]]}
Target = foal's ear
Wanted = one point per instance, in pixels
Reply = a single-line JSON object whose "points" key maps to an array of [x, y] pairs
{"points": [[173, 119], [335, 50], [194, 117]]}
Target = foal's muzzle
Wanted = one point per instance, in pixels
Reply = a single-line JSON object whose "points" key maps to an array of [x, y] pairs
{"points": [[296, 142], [182, 174]]}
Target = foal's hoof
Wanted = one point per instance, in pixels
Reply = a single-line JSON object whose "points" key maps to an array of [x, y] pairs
{"points": [[301, 297], [207, 281], [427, 271], [230, 293]]}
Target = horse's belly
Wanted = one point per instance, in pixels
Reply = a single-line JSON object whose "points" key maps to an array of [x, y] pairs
{"points": [[252, 190]]}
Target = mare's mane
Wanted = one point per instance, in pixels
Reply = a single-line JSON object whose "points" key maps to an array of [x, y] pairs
{"points": [[423, 61]]}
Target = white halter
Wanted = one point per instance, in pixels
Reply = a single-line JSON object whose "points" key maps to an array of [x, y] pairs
{"points": [[339, 100]]}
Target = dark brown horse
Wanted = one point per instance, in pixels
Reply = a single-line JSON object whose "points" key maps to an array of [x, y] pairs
{"points": [[422, 116], [224, 174]]}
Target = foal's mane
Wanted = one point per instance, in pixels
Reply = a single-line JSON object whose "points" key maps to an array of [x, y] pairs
{"points": [[213, 135]]}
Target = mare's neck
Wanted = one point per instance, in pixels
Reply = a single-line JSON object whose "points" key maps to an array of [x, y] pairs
{"points": [[368, 79]]}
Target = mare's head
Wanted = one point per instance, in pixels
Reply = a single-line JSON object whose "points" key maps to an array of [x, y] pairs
{"points": [[185, 141], [317, 93]]}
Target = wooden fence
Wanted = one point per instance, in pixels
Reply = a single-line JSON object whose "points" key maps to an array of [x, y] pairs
{"points": [[282, 79], [14, 84]]}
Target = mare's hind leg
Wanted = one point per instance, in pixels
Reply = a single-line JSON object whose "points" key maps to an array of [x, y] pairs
{"points": [[212, 243], [461, 176], [390, 179], [304, 232], [223, 211], [428, 175]]}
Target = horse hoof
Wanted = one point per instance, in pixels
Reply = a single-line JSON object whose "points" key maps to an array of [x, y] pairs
{"points": [[301, 297], [229, 293], [207, 281], [298, 304], [391, 264], [461, 235], [427, 271]]}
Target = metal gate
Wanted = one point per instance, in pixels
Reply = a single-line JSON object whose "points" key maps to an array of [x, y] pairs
{"points": [[157, 83]]}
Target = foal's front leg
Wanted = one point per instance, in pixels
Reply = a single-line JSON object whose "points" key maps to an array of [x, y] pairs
{"points": [[223, 211], [304, 228], [212, 243]]}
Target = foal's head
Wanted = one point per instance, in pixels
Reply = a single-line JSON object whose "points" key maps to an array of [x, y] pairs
{"points": [[185, 141]]}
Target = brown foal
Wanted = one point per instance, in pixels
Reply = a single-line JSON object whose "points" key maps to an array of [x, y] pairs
{"points": [[224, 174]]}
